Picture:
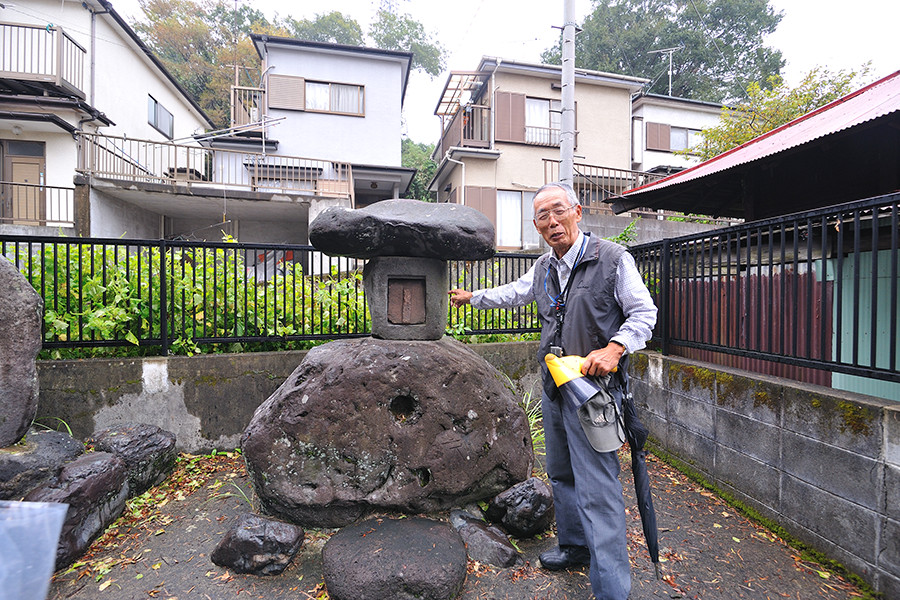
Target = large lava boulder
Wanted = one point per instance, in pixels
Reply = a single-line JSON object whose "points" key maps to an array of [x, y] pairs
{"points": [[369, 424], [21, 311], [148, 452], [95, 487]]}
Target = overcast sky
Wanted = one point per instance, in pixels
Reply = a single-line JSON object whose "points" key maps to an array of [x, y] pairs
{"points": [[829, 33]]}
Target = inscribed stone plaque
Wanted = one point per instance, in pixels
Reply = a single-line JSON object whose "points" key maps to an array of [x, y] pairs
{"points": [[406, 301]]}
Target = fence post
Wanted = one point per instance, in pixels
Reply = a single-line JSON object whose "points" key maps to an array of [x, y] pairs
{"points": [[163, 300], [663, 321]]}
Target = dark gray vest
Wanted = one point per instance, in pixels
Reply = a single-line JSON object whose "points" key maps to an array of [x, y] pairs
{"points": [[592, 315]]}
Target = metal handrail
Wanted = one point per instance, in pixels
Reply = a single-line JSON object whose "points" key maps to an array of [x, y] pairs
{"points": [[42, 53], [127, 159], [36, 205]]}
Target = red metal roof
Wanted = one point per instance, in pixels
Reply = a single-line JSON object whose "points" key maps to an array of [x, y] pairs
{"points": [[875, 100]]}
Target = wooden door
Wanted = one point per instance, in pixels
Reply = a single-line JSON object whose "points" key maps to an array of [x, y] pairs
{"points": [[27, 199]]}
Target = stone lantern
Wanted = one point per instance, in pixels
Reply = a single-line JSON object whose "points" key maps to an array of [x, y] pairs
{"points": [[408, 244]]}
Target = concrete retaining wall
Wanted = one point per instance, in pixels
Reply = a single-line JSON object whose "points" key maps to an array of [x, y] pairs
{"points": [[824, 464], [206, 401]]}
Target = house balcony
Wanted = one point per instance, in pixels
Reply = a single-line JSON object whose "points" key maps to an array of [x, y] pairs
{"points": [[211, 170], [40, 60], [189, 181], [470, 127], [248, 106], [598, 186]]}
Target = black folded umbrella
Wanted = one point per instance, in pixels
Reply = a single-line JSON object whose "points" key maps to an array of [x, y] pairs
{"points": [[636, 433]]}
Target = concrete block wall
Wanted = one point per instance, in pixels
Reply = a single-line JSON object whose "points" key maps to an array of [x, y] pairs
{"points": [[823, 463]]}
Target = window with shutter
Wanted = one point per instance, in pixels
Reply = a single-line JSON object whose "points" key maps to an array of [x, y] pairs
{"points": [[286, 92], [509, 117], [658, 136]]}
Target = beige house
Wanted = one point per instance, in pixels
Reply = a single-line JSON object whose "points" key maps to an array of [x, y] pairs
{"points": [[500, 142]]}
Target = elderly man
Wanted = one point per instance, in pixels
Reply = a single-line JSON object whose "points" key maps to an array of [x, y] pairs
{"points": [[593, 303]]}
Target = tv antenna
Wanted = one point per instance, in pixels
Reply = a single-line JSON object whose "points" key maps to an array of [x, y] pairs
{"points": [[670, 52]]}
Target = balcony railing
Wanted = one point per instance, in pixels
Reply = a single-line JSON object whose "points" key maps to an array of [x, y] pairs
{"points": [[35, 205], [145, 161], [469, 128], [594, 185], [43, 54], [248, 105]]}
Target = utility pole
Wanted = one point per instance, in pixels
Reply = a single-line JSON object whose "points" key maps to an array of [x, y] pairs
{"points": [[567, 132]]}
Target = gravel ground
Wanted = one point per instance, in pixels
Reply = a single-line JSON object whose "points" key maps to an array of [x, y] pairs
{"points": [[160, 549]]}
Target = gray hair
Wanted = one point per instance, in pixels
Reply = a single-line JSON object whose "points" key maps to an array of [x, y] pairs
{"points": [[570, 193]]}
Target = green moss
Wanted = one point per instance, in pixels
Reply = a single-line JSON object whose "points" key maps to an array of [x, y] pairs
{"points": [[210, 380], [846, 416], [731, 389], [267, 374], [856, 419], [639, 364], [749, 512], [762, 397], [691, 376]]}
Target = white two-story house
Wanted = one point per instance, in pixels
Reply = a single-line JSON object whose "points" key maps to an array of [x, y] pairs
{"points": [[68, 71], [97, 138], [340, 104]]}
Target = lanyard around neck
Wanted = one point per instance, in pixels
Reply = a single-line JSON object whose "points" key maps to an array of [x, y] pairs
{"points": [[559, 302]]}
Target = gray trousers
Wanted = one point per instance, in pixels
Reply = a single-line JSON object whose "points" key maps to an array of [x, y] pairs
{"points": [[587, 497]]}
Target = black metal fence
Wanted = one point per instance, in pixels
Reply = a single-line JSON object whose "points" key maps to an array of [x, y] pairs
{"points": [[811, 296], [186, 297], [808, 296]]}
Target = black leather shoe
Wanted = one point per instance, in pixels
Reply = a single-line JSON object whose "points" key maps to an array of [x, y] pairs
{"points": [[565, 557]]}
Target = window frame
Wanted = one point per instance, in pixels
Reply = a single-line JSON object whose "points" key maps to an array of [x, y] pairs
{"points": [[528, 236], [553, 128], [153, 110], [361, 98], [658, 137]]}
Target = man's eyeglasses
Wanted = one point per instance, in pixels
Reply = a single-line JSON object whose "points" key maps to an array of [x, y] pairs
{"points": [[544, 216]]}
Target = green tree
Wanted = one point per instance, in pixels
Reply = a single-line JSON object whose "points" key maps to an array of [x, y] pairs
{"points": [[203, 44], [333, 27], [766, 109], [418, 156], [182, 38], [391, 31], [719, 44]]}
